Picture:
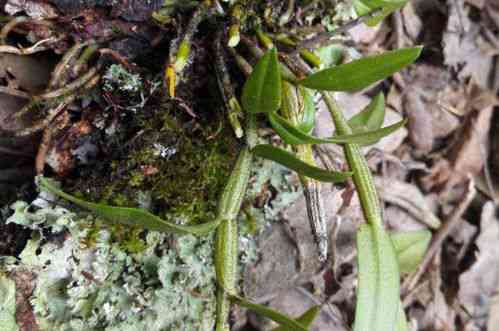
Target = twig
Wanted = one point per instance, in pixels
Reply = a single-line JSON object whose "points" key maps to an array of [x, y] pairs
{"points": [[14, 92], [29, 50], [241, 62], [63, 64], [286, 17], [9, 26], [69, 88], [42, 150], [234, 33], [84, 57], [117, 56], [225, 86], [439, 238], [323, 38]]}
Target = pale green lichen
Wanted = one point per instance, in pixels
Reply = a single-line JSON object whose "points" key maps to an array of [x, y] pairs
{"points": [[169, 285], [117, 77], [7, 304], [93, 276]]}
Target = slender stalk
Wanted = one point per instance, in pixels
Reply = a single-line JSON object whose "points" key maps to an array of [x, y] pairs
{"points": [[181, 50], [324, 38], [225, 85], [362, 176], [234, 29], [226, 250], [292, 109]]}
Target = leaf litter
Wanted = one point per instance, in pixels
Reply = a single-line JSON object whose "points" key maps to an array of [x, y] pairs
{"points": [[449, 100]]}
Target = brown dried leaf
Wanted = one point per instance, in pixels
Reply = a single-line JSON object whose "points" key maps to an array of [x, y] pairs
{"points": [[34, 9], [468, 152], [465, 49], [408, 197], [479, 283]]}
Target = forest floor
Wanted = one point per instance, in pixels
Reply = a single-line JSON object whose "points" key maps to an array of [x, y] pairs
{"points": [[101, 119]]}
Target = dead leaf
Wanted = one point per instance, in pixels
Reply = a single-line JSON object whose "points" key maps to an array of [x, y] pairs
{"points": [[479, 283], [408, 197], [464, 48], [468, 152], [34, 9], [412, 23], [420, 122]]}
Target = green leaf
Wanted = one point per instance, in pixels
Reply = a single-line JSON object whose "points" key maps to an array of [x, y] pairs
{"points": [[358, 74], [293, 136], [378, 301], [130, 216], [307, 120], [386, 10], [288, 137], [361, 8], [330, 55], [306, 319], [262, 90], [286, 322], [288, 160], [371, 118], [297, 106], [410, 248]]}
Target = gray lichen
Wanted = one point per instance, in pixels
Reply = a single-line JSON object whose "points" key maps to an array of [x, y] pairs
{"points": [[170, 285], [89, 276]]}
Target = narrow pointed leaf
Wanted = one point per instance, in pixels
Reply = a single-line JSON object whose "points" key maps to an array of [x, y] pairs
{"points": [[262, 90], [370, 118], [286, 135], [386, 10], [290, 161], [358, 74], [306, 319], [410, 248], [286, 322], [130, 216], [297, 137], [378, 301]]}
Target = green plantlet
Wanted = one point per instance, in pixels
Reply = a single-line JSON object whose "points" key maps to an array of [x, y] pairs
{"points": [[359, 74], [378, 303], [289, 107]]}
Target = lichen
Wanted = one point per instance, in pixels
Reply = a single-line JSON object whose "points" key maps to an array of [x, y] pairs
{"points": [[168, 285]]}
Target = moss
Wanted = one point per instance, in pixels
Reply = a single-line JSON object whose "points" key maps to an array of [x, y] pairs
{"points": [[159, 151]]}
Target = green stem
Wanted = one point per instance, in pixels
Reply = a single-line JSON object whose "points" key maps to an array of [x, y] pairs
{"points": [[362, 176], [226, 251]]}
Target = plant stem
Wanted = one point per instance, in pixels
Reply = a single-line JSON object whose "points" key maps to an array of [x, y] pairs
{"points": [[362, 176], [292, 108], [180, 50], [226, 250], [234, 110]]}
